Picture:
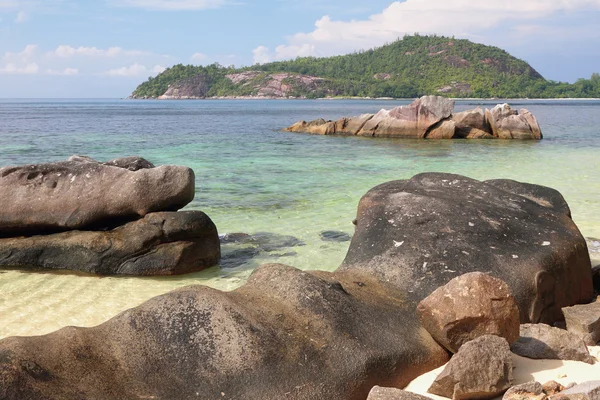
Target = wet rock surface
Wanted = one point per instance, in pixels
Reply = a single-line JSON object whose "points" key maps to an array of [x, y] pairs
{"points": [[164, 243]]}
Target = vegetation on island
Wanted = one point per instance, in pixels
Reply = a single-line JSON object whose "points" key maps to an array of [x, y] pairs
{"points": [[407, 68]]}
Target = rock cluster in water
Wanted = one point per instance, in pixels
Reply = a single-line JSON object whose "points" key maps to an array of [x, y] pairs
{"points": [[334, 335], [111, 218], [431, 117]]}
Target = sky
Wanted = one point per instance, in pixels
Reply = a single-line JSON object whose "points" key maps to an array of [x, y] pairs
{"points": [[105, 48]]}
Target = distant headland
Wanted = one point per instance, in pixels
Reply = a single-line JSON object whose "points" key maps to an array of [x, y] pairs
{"points": [[407, 68]]}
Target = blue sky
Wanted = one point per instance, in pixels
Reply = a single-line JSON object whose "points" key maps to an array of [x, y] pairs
{"points": [[104, 48]]}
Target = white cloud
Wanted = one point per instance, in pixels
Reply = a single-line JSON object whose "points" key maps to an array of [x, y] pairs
{"points": [[464, 18], [22, 16], [135, 70], [171, 5], [15, 69], [199, 58], [64, 72], [70, 51], [27, 54]]}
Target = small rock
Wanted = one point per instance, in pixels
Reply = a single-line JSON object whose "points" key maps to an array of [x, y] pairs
{"points": [[584, 321], [469, 306], [382, 393], [526, 391], [552, 387], [540, 341], [561, 396], [590, 389], [481, 369]]}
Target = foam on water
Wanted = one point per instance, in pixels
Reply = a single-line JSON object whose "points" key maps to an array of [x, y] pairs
{"points": [[251, 178]]}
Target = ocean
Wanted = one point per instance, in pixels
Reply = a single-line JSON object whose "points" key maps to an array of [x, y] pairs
{"points": [[296, 194]]}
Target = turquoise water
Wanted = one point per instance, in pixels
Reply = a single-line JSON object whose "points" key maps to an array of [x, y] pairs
{"points": [[252, 178]]}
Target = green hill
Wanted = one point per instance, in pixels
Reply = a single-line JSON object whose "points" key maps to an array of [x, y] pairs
{"points": [[410, 67]]}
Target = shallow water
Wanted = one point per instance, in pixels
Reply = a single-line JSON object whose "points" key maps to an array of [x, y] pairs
{"points": [[252, 178]]}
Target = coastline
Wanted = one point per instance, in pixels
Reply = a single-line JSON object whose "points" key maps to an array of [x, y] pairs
{"points": [[356, 98]]}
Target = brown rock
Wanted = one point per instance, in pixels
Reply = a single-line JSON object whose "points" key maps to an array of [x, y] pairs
{"points": [[584, 321], [471, 124], [81, 194], [541, 341], [526, 391], [552, 387], [286, 334], [482, 369], [442, 130], [412, 121], [507, 123], [164, 243], [469, 306], [381, 393]]}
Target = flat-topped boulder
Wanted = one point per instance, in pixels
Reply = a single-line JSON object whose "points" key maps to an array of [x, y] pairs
{"points": [[418, 234], [82, 193], [163, 243], [430, 117]]}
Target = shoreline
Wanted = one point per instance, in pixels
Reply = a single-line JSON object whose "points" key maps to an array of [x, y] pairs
{"points": [[356, 98]]}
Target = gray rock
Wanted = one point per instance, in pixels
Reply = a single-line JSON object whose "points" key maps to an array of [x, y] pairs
{"points": [[482, 369], [469, 306], [507, 123], [83, 194], [589, 389], [130, 163], [165, 243], [381, 393], [420, 233], [471, 123], [286, 334], [526, 391], [543, 342], [584, 321]]}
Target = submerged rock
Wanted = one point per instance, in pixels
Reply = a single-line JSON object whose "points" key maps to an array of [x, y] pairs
{"points": [[285, 334], [164, 243], [420, 233], [335, 236], [83, 193]]}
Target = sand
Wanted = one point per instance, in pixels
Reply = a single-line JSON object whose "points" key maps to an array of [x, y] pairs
{"points": [[527, 370]]}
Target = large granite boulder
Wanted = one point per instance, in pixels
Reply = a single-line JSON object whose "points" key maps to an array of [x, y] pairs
{"points": [[411, 121], [469, 306], [82, 193], [418, 234], [163, 243], [472, 124], [285, 334], [507, 123]]}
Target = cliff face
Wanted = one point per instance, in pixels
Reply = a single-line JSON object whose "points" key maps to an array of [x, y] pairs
{"points": [[195, 87]]}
